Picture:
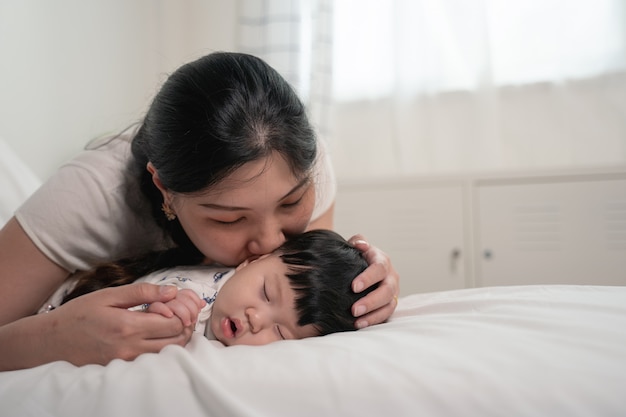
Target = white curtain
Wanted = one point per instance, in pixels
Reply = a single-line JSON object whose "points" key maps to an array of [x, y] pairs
{"points": [[295, 37], [448, 86]]}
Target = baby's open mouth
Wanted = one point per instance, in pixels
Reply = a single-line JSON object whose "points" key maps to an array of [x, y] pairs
{"points": [[229, 327]]}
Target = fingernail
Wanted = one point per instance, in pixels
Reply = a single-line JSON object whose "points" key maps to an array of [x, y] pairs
{"points": [[359, 311], [361, 324], [358, 286], [361, 242]]}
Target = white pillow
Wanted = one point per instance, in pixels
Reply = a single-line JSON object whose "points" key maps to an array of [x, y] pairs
{"points": [[17, 182]]}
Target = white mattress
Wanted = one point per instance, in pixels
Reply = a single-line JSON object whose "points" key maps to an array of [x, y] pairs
{"points": [[506, 351]]}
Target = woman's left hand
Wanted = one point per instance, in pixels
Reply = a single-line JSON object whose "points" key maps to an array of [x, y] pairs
{"points": [[377, 306]]}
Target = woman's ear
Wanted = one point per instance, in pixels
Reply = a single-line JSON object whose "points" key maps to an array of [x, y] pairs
{"points": [[157, 181]]}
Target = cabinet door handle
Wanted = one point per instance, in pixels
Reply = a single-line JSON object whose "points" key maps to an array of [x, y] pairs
{"points": [[455, 255], [487, 254]]}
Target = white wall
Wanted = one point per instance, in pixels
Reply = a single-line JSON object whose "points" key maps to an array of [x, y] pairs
{"points": [[73, 70]]}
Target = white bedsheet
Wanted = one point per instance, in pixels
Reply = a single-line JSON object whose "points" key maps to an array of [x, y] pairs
{"points": [[506, 351]]}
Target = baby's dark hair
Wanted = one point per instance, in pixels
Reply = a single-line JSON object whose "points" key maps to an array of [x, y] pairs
{"points": [[321, 268]]}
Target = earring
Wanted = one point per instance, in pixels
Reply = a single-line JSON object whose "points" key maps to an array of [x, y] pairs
{"points": [[167, 210]]}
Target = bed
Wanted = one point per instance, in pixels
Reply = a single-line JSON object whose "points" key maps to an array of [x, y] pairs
{"points": [[498, 351]]}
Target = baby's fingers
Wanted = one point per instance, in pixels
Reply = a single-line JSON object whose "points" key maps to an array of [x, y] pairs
{"points": [[192, 302], [160, 308], [181, 311]]}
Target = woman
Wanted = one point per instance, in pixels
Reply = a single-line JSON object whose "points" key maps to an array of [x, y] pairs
{"points": [[227, 165]]}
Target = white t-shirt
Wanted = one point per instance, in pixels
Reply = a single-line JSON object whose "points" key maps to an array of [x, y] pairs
{"points": [[92, 211]]}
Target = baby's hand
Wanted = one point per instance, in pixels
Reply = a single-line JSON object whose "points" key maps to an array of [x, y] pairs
{"points": [[186, 306]]}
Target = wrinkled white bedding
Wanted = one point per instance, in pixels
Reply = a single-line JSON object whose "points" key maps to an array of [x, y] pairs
{"points": [[506, 351]]}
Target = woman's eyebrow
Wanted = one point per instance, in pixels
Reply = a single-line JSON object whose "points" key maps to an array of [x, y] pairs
{"points": [[298, 186], [221, 207]]}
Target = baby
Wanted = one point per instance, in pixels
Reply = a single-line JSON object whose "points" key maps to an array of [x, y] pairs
{"points": [[300, 290]]}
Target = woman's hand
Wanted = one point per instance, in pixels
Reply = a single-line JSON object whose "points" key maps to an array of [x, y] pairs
{"points": [[186, 306], [104, 329], [94, 329], [377, 306]]}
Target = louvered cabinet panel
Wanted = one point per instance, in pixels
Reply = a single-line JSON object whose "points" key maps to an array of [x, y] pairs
{"points": [[570, 231], [420, 226]]}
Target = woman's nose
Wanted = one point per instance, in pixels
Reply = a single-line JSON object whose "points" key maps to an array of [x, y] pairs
{"points": [[266, 239]]}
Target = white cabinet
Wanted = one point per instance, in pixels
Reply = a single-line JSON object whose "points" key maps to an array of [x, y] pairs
{"points": [[560, 231], [420, 226], [461, 232]]}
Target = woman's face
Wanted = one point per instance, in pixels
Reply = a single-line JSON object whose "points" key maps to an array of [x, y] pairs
{"points": [[249, 213]]}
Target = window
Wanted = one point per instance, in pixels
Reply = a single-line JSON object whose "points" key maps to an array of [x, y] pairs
{"points": [[384, 47]]}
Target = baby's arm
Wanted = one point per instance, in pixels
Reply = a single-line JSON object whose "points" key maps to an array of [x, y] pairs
{"points": [[186, 306]]}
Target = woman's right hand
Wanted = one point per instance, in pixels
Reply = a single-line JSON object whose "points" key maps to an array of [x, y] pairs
{"points": [[104, 329], [95, 329], [186, 306]]}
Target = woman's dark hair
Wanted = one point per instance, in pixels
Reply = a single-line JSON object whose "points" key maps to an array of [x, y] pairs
{"points": [[321, 266], [212, 116]]}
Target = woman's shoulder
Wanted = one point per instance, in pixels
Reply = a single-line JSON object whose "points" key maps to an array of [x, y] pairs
{"points": [[115, 148], [325, 181], [112, 139], [83, 214]]}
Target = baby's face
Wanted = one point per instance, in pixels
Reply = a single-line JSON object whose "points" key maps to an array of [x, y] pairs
{"points": [[256, 306]]}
